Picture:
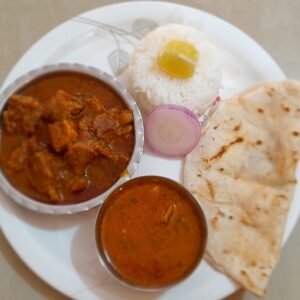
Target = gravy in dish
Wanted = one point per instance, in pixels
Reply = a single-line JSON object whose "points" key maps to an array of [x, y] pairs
{"points": [[66, 137], [150, 232]]}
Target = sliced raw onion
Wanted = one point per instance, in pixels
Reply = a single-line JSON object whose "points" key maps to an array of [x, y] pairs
{"points": [[172, 130]]}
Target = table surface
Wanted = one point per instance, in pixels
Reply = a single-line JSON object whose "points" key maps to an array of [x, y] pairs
{"points": [[274, 24]]}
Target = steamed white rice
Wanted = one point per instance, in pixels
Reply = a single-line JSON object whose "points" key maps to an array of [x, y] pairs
{"points": [[151, 87]]}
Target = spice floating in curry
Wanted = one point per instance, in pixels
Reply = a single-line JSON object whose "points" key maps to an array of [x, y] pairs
{"points": [[150, 232], [66, 138]]}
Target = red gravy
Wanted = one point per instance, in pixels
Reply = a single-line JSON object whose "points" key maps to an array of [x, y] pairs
{"points": [[151, 231]]}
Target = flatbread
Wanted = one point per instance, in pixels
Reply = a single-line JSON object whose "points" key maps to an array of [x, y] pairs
{"points": [[243, 174]]}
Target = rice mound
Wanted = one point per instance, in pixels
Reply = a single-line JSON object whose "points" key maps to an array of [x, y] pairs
{"points": [[151, 87]]}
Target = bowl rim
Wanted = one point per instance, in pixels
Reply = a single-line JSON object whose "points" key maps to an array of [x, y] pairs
{"points": [[103, 255], [111, 81]]}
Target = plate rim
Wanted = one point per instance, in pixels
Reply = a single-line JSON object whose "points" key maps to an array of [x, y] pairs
{"points": [[171, 5]]}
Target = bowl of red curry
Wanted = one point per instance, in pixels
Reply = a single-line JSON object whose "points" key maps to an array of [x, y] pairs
{"points": [[150, 233], [69, 135]]}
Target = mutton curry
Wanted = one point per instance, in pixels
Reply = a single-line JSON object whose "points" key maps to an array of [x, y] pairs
{"points": [[66, 137]]}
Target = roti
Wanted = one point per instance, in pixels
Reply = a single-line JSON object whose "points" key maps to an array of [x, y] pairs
{"points": [[243, 174]]}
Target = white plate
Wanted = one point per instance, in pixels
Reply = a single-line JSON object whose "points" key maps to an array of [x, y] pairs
{"points": [[60, 249]]}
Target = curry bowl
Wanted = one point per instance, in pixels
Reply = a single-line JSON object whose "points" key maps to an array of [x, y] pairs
{"points": [[150, 233], [70, 134]]}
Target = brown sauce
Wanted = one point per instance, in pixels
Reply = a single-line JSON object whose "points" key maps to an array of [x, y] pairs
{"points": [[66, 137], [151, 232]]}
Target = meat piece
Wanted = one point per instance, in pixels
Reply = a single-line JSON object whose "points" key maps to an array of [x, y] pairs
{"points": [[94, 104], [19, 156], [33, 145], [108, 152], [40, 175], [126, 117], [79, 155], [125, 131], [77, 184], [103, 149], [85, 128], [30, 121], [119, 157], [104, 122], [114, 113], [113, 122], [39, 165], [22, 115], [62, 133], [25, 101], [62, 106]]}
